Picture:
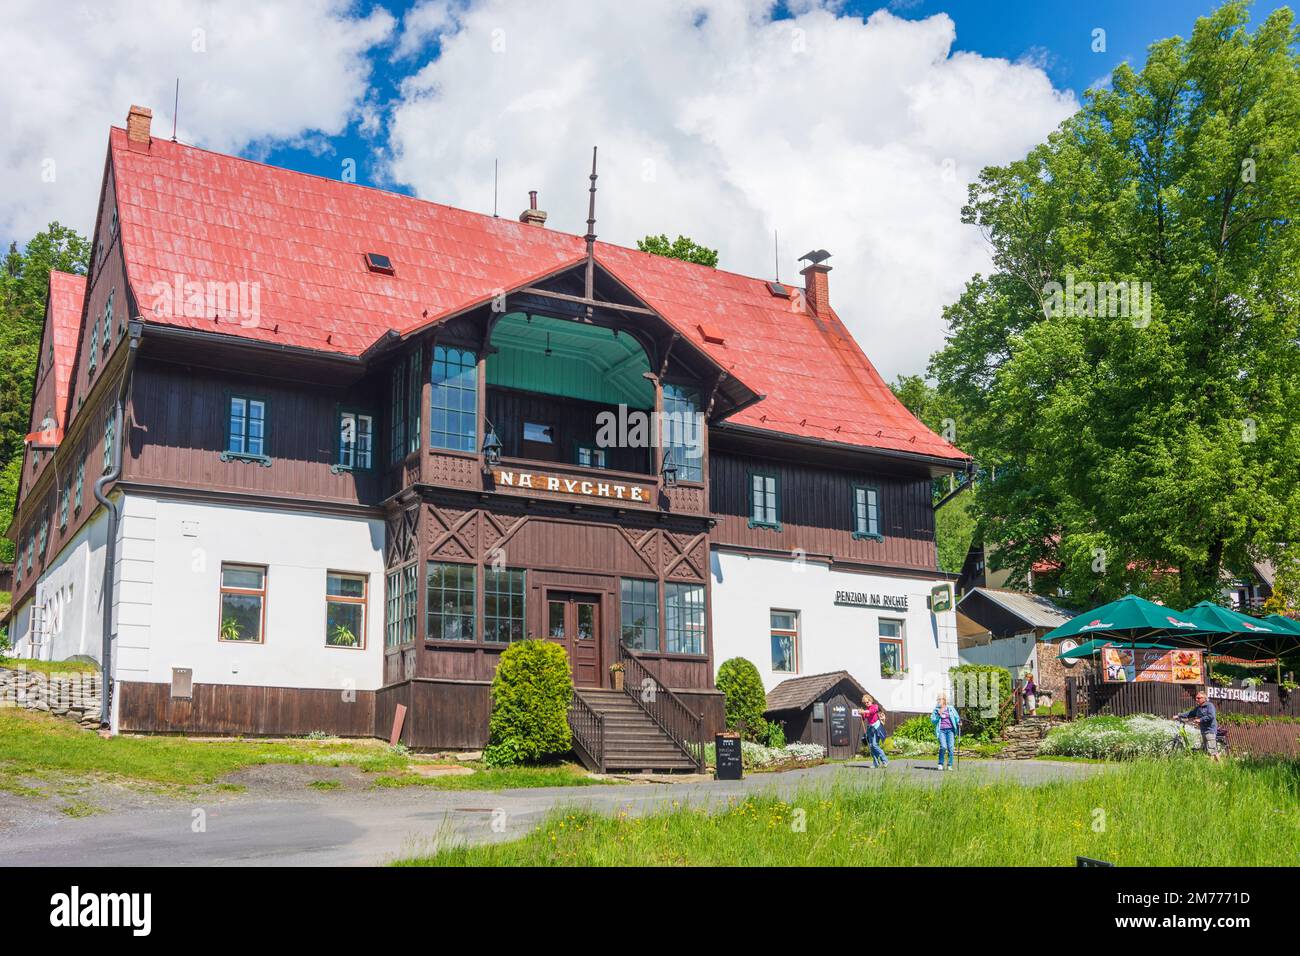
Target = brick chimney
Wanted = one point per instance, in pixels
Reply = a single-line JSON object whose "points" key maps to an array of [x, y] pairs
{"points": [[816, 285], [138, 121], [532, 215]]}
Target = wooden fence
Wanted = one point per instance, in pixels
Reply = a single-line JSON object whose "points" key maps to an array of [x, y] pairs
{"points": [[1085, 697]]}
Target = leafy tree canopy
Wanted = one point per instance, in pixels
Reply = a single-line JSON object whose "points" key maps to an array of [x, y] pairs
{"points": [[682, 247], [1143, 437]]}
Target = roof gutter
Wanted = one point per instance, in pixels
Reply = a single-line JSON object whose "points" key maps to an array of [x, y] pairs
{"points": [[135, 330]]}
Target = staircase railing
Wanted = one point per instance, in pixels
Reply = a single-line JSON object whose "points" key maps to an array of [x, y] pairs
{"points": [[663, 707], [588, 728]]}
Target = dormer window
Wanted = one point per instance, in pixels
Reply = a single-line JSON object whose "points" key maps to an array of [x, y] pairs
{"points": [[376, 262]]}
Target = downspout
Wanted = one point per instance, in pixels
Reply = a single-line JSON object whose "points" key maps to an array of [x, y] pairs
{"points": [[135, 329]]}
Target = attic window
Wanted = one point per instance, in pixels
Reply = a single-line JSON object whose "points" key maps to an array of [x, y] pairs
{"points": [[377, 263], [711, 334], [778, 289]]}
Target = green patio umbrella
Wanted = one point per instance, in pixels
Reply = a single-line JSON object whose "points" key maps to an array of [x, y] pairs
{"points": [[1089, 648], [1283, 621], [1132, 618], [1245, 634], [1264, 638]]}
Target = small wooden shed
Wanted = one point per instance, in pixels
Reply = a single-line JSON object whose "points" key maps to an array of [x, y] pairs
{"points": [[818, 709]]}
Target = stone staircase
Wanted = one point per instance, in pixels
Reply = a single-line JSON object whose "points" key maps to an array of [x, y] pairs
{"points": [[633, 741], [1023, 738]]}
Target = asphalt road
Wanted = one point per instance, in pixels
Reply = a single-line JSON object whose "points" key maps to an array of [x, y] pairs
{"points": [[369, 827]]}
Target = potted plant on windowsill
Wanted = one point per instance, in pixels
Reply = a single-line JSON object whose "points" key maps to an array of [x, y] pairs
{"points": [[616, 672], [341, 636], [231, 630]]}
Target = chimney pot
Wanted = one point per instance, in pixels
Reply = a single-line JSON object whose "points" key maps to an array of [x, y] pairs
{"points": [[532, 215], [138, 121]]}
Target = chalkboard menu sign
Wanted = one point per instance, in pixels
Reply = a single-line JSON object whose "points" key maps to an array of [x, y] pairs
{"points": [[728, 762], [840, 725]]}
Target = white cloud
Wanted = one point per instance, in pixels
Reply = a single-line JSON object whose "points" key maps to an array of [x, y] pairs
{"points": [[720, 123], [250, 73]]}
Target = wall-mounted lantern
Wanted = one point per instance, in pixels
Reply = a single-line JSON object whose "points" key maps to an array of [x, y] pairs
{"points": [[491, 448], [669, 470]]}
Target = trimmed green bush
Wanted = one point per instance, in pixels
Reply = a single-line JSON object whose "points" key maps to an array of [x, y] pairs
{"points": [[531, 692], [978, 692], [746, 700], [918, 728]]}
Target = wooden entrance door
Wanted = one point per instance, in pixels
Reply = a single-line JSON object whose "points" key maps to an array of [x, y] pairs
{"points": [[573, 619]]}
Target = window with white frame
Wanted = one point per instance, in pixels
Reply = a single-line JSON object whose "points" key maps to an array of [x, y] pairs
{"points": [[866, 512], [356, 440], [684, 618], [247, 432]]}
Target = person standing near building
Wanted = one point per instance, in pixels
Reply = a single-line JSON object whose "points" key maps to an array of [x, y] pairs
{"points": [[947, 726], [1030, 692], [874, 720]]}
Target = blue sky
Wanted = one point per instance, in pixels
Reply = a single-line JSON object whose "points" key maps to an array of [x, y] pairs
{"points": [[835, 133], [1056, 35]]}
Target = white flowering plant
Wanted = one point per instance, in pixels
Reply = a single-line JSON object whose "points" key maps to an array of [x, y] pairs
{"points": [[1112, 738]]}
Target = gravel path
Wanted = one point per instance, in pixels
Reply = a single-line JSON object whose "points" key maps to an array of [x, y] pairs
{"points": [[270, 825]]}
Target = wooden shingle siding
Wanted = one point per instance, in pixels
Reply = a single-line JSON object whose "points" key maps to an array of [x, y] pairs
{"points": [[180, 418], [816, 512]]}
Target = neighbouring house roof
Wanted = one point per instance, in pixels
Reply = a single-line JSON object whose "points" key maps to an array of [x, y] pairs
{"points": [[201, 216], [1266, 571], [1033, 609], [799, 692], [67, 293]]}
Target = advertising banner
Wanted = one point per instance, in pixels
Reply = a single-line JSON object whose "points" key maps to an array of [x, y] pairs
{"points": [[1152, 665]]}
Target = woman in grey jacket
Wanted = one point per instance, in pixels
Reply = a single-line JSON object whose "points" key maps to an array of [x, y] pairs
{"points": [[947, 727]]}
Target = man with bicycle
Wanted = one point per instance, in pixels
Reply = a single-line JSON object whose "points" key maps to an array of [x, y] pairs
{"points": [[1207, 718]]}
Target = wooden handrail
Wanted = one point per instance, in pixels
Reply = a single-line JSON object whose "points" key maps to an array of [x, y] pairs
{"points": [[663, 706]]}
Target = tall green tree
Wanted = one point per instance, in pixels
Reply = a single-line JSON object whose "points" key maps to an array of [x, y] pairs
{"points": [[682, 247], [1143, 443]]}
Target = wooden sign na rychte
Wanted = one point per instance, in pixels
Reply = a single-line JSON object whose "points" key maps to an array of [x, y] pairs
{"points": [[611, 490]]}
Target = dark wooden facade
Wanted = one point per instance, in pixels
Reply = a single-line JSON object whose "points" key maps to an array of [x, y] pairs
{"points": [[242, 709], [816, 507], [178, 433]]}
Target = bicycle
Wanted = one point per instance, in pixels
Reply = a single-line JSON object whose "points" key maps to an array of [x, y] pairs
{"points": [[1180, 743]]}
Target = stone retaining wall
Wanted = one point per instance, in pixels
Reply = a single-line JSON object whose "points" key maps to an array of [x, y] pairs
{"points": [[74, 696]]}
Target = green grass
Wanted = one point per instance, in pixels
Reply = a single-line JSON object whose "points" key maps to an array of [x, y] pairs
{"points": [[1146, 813], [325, 785], [35, 745], [49, 667], [499, 778]]}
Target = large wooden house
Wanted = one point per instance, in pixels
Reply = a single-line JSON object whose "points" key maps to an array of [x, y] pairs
{"points": [[312, 455]]}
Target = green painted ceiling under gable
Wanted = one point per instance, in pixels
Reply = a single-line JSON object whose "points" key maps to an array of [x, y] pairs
{"points": [[586, 361]]}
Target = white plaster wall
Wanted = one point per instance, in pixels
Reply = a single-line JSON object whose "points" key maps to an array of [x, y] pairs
{"points": [[746, 589], [168, 594], [68, 596]]}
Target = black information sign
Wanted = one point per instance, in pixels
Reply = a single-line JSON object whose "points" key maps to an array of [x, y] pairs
{"points": [[729, 766], [840, 725]]}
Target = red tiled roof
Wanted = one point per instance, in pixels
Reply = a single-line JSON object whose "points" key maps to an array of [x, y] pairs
{"points": [[206, 217], [67, 293]]}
